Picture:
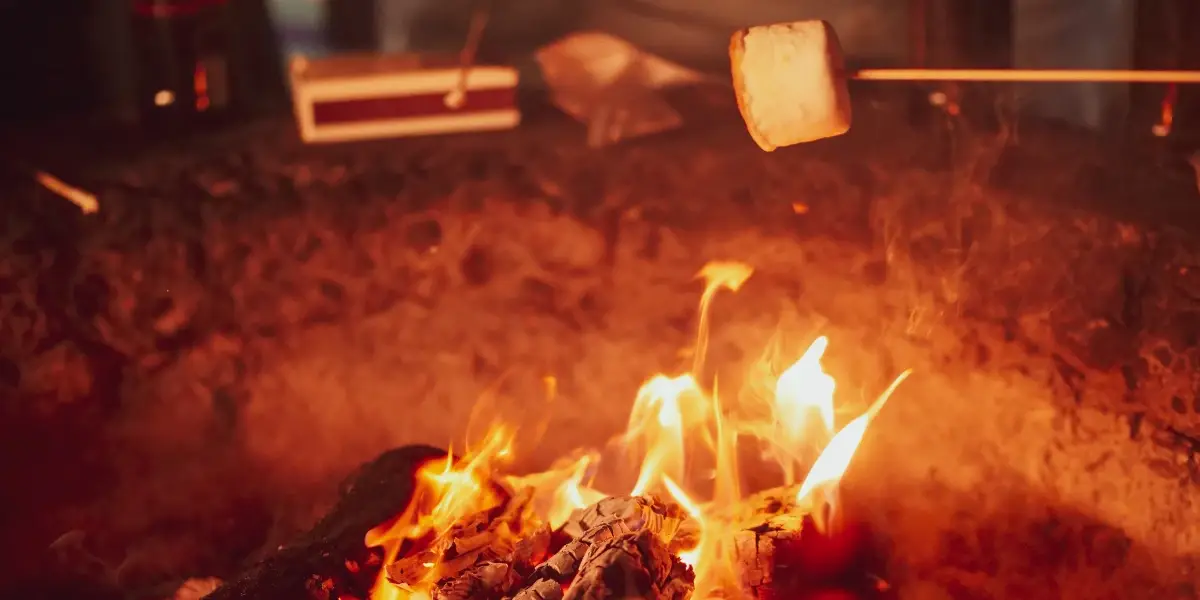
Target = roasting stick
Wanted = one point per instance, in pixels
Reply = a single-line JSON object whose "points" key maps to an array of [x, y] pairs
{"points": [[1028, 75], [466, 57], [790, 81]]}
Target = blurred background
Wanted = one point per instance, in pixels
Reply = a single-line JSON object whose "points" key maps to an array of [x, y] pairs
{"points": [[106, 59]]}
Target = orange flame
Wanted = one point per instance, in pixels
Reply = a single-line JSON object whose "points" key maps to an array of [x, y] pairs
{"points": [[671, 416], [445, 492]]}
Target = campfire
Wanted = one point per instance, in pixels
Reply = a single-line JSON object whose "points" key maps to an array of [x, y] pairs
{"points": [[681, 526]]}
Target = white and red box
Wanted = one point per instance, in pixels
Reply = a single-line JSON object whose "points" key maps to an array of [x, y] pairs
{"points": [[358, 97]]}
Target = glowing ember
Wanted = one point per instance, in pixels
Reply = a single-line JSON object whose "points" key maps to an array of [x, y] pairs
{"points": [[467, 516]]}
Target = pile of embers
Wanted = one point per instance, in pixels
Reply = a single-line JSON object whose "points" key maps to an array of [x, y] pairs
{"points": [[620, 547], [469, 531]]}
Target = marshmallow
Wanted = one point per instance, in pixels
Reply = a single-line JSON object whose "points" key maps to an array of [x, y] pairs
{"points": [[790, 82]]}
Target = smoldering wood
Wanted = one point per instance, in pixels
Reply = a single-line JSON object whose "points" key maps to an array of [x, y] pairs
{"points": [[531, 550], [756, 551], [607, 520], [562, 567], [564, 564], [630, 565], [781, 551], [484, 536], [629, 512], [542, 589], [485, 580], [494, 579], [319, 558]]}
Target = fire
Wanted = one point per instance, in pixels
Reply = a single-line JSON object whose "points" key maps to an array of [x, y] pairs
{"points": [[444, 493], [676, 425]]}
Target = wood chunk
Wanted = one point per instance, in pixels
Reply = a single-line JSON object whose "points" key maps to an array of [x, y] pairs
{"points": [[630, 565], [486, 536], [637, 512], [610, 528], [303, 567], [564, 564], [787, 553], [485, 580], [531, 550], [680, 583], [542, 589], [756, 552]]}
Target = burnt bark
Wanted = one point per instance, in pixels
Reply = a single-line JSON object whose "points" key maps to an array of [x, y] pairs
{"points": [[485, 554], [630, 565], [781, 552], [333, 552], [625, 514]]}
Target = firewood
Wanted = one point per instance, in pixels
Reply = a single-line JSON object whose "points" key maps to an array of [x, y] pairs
{"points": [[605, 520], [561, 567], [542, 589], [485, 580], [485, 536], [756, 550], [786, 555], [320, 555], [602, 521], [493, 579], [531, 550], [630, 565], [636, 513]]}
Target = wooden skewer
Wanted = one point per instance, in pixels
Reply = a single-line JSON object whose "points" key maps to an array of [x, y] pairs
{"points": [[1028, 75], [466, 58]]}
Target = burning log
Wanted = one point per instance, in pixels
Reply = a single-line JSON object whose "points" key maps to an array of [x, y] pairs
{"points": [[630, 565], [494, 579], [626, 539], [470, 554], [782, 553], [498, 553], [322, 558], [542, 589], [485, 580], [630, 513]]}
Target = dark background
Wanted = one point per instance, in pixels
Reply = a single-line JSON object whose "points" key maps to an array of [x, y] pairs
{"points": [[62, 57]]}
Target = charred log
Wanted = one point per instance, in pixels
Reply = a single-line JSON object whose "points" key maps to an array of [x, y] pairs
{"points": [[630, 565], [624, 514], [542, 589], [785, 554], [495, 579], [487, 537], [329, 559], [563, 566], [485, 580]]}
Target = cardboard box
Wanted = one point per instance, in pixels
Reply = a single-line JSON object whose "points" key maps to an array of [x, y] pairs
{"points": [[358, 97]]}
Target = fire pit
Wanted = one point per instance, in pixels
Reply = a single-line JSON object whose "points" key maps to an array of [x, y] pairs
{"points": [[296, 311], [472, 532]]}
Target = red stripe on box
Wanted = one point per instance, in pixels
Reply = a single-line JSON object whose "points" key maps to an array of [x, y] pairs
{"points": [[361, 110]]}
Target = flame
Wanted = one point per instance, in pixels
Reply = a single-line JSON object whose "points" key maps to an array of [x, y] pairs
{"points": [[561, 490], [445, 492], [676, 426]]}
